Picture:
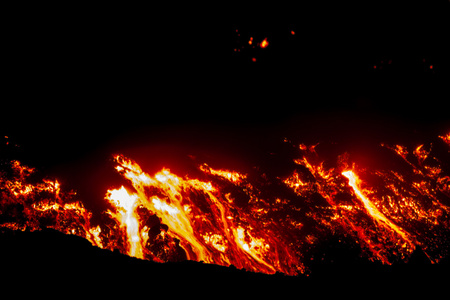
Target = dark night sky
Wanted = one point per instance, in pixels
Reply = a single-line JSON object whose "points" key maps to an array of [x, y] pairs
{"points": [[77, 77]]}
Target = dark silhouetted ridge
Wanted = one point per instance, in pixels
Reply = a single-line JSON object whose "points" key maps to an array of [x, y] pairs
{"points": [[47, 259]]}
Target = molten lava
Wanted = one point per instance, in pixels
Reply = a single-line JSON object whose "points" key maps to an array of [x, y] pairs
{"points": [[354, 182], [203, 219], [260, 223], [125, 205]]}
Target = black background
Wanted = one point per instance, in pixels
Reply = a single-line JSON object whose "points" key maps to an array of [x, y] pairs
{"points": [[75, 76]]}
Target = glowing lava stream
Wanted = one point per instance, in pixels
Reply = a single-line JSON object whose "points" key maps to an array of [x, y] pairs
{"points": [[125, 204], [353, 181]]}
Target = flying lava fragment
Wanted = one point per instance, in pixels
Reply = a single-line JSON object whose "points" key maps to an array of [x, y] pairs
{"points": [[264, 43]]}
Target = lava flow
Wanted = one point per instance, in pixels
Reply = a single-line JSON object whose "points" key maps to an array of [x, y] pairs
{"points": [[258, 222], [204, 220]]}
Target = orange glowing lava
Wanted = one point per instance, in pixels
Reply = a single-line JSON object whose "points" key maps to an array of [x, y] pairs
{"points": [[257, 222], [125, 205], [354, 182], [214, 233]]}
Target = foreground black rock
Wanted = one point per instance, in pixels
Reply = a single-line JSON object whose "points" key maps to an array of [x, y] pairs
{"points": [[48, 260]]}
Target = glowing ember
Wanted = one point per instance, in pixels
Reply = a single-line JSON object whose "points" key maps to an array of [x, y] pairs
{"points": [[264, 43], [226, 217], [446, 138]]}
